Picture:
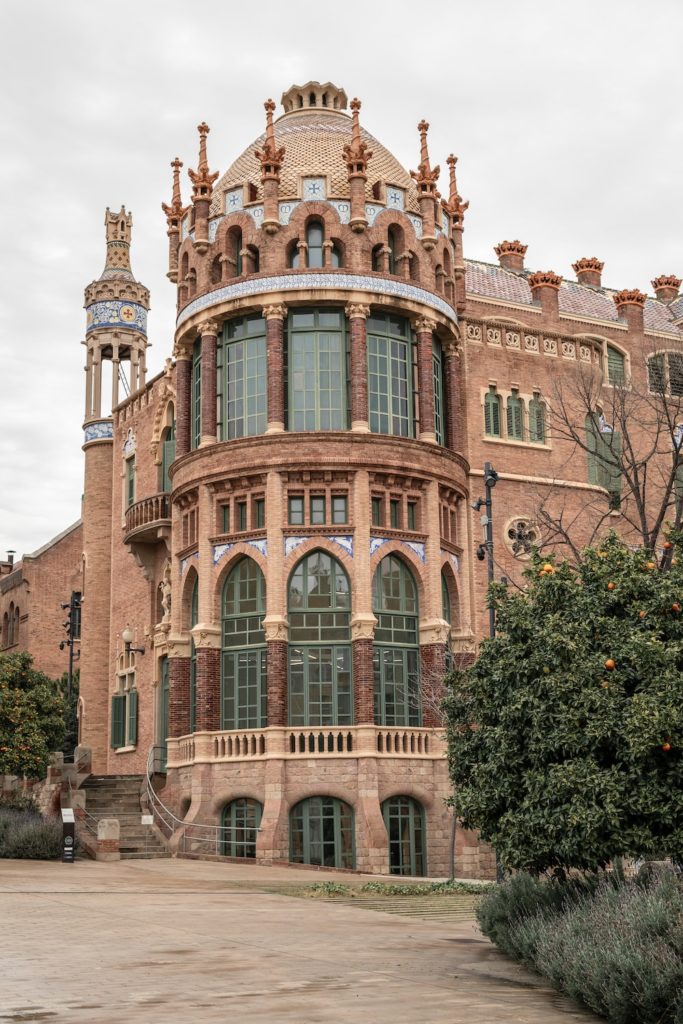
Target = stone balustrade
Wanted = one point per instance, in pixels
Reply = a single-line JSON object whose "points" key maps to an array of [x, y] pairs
{"points": [[311, 742]]}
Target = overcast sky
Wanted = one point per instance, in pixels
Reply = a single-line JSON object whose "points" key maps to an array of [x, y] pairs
{"points": [[566, 118]]}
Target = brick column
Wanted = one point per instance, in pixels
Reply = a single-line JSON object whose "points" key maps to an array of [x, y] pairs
{"points": [[209, 335], [432, 674], [452, 397], [357, 315], [275, 342], [183, 379], [178, 695], [276, 667], [424, 328], [208, 683], [363, 679]]}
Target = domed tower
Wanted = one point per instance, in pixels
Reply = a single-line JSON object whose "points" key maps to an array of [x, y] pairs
{"points": [[116, 332], [319, 491]]}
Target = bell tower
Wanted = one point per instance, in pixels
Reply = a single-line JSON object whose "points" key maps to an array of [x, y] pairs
{"points": [[116, 332]]}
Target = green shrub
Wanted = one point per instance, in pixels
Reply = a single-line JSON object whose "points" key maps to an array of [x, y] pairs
{"points": [[25, 835], [18, 801]]}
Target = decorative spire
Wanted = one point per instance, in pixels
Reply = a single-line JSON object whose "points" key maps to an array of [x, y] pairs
{"points": [[357, 153], [176, 211], [270, 157], [118, 229], [202, 179], [455, 206], [425, 176]]}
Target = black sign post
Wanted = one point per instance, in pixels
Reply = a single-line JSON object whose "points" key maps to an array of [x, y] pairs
{"points": [[68, 835]]}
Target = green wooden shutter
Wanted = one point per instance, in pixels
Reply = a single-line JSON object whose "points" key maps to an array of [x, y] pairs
{"points": [[132, 717], [655, 374], [492, 414], [515, 424], [615, 366], [611, 473], [592, 438], [118, 721], [537, 420]]}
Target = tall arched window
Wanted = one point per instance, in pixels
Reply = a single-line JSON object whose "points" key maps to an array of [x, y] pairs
{"points": [[396, 652], [445, 599], [616, 366], [242, 379], [319, 604], [439, 406], [167, 451], [196, 396], [243, 666], [604, 456], [17, 618], [537, 419], [515, 416], [404, 821], [236, 253], [390, 375], [317, 370], [5, 630], [194, 618], [315, 237], [321, 832], [240, 822], [492, 425], [392, 247]]}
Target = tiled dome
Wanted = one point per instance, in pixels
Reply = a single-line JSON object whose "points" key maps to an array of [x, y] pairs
{"points": [[314, 137]]}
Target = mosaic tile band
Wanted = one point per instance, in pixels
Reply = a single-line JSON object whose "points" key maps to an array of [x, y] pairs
{"points": [[102, 430], [115, 313]]}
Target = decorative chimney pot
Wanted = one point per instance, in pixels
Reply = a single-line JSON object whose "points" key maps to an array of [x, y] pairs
{"points": [[545, 288], [511, 255], [630, 303], [667, 287], [588, 271]]}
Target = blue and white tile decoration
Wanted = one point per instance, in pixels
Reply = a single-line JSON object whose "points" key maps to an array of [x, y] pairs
{"points": [[415, 546], [130, 444], [417, 224], [292, 543], [234, 200], [396, 198], [185, 562], [219, 550], [343, 209], [285, 211], [297, 282], [256, 213], [314, 188], [372, 212], [376, 543], [102, 430], [453, 559], [184, 228], [213, 228], [116, 313], [260, 545], [345, 543]]}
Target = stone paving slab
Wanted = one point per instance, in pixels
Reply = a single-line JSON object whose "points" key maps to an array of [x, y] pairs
{"points": [[175, 941]]}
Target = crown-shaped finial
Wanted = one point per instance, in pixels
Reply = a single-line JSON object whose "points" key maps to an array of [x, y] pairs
{"points": [[176, 211], [202, 179], [356, 153], [270, 157], [455, 205], [426, 177]]}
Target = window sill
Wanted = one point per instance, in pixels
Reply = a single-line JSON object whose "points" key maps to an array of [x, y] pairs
{"points": [[533, 445], [124, 750]]}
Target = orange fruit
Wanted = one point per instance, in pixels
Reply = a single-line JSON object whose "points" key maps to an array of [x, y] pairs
{"points": [[667, 545], [548, 567], [675, 607], [666, 747], [610, 664], [651, 565], [610, 586], [642, 614]]}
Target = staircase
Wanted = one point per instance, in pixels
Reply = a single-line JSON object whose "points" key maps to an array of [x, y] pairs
{"points": [[118, 796]]}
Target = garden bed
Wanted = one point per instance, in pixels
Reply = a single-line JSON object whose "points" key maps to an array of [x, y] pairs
{"points": [[25, 834]]}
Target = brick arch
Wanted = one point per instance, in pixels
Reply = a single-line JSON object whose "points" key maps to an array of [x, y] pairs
{"points": [[395, 547], [244, 222], [161, 422], [331, 549], [187, 587], [246, 791], [305, 792], [411, 789], [316, 209], [227, 564], [453, 592]]}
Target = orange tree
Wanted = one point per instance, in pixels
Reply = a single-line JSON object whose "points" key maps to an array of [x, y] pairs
{"points": [[31, 717], [566, 734]]}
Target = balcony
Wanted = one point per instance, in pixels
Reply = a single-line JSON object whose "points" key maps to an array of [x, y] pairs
{"points": [[314, 742], [148, 521]]}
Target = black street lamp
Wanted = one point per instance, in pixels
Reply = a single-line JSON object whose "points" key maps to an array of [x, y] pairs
{"points": [[485, 550]]}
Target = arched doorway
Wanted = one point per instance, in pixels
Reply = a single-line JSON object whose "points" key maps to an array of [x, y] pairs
{"points": [[240, 822], [404, 821], [321, 832]]}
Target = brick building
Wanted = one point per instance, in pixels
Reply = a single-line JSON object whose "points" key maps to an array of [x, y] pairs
{"points": [[282, 518]]}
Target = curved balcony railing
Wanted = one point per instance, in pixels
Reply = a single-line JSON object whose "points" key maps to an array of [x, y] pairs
{"points": [[275, 742], [148, 520]]}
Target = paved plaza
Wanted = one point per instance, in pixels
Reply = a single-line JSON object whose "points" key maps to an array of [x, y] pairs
{"points": [[184, 941]]}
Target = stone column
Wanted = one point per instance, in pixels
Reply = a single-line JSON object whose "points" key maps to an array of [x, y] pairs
{"points": [[275, 316], [363, 621], [209, 334], [453, 397], [178, 687], [275, 623], [424, 328], [183, 379], [357, 315]]}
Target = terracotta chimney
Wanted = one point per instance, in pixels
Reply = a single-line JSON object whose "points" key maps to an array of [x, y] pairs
{"points": [[511, 255], [630, 305], [666, 287], [588, 271], [545, 288]]}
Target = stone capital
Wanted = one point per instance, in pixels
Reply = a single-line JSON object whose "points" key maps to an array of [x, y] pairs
{"points": [[178, 647], [275, 312], [424, 325], [207, 636], [210, 327], [434, 631], [450, 347], [357, 311], [276, 627], [363, 626]]}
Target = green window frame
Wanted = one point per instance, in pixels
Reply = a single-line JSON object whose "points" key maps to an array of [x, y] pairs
{"points": [[340, 509], [396, 654], [616, 366], [445, 599], [656, 374], [537, 420], [124, 719], [315, 236], [164, 694], [412, 515], [225, 519], [317, 370], [391, 375], [492, 417], [317, 510], [604, 457], [244, 690], [167, 456], [242, 376], [405, 825], [392, 248], [196, 396], [439, 407], [320, 671], [240, 823], [259, 513], [130, 481], [321, 831], [194, 618], [240, 516], [515, 416], [377, 511], [395, 513], [295, 504]]}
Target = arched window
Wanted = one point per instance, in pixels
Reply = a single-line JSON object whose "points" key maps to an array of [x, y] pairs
{"points": [[314, 241], [616, 366], [240, 822], [167, 452], [437, 378], [321, 832], [392, 246], [319, 605], [184, 267], [492, 413], [515, 416], [445, 599], [17, 618], [335, 256], [537, 419], [11, 638], [216, 270], [317, 370], [404, 821], [242, 379], [5, 630], [236, 254], [293, 258], [196, 396], [377, 262], [194, 618], [396, 654], [243, 666], [390, 375], [604, 456], [665, 373]]}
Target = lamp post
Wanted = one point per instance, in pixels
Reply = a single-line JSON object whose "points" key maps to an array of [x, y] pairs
{"points": [[485, 550]]}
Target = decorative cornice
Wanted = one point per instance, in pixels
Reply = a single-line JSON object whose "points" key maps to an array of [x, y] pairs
{"points": [[357, 311], [588, 263], [629, 297], [277, 311], [544, 279]]}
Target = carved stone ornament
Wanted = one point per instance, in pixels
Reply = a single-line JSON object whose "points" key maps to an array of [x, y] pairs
{"points": [[278, 311], [363, 626], [435, 631], [209, 327], [357, 311], [178, 647], [276, 627], [629, 297], [424, 325], [207, 636], [473, 332], [463, 645], [521, 535], [544, 279]]}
